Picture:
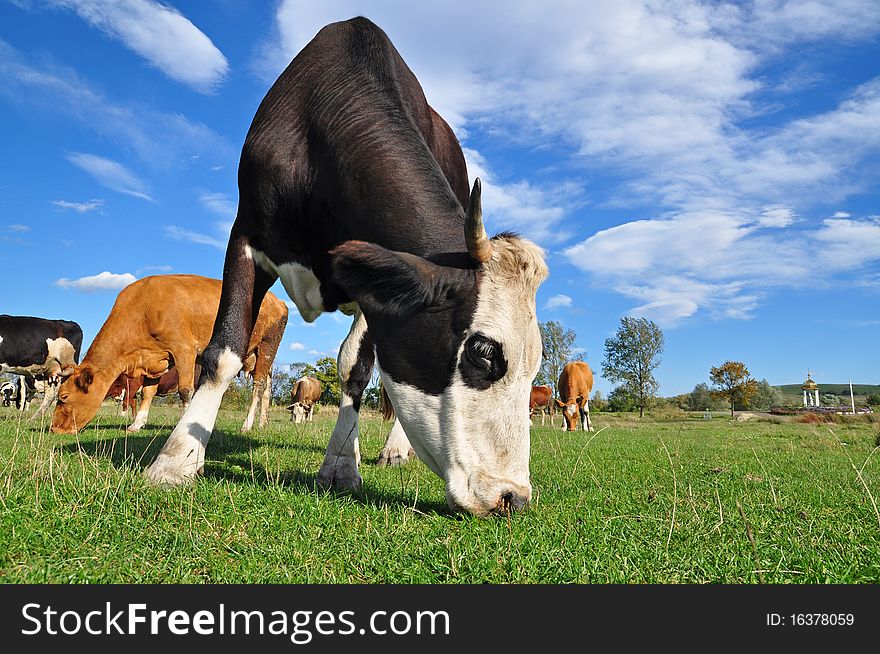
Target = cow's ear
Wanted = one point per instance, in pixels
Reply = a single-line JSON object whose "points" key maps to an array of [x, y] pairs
{"points": [[384, 281], [84, 379], [559, 403]]}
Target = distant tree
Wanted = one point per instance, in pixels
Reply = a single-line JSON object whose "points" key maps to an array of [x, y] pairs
{"points": [[632, 356], [733, 382], [873, 399], [766, 396], [559, 345], [326, 373], [829, 399], [598, 403], [620, 399], [701, 398], [237, 395], [282, 384]]}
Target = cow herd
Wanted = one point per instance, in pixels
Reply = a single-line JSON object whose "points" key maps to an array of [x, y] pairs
{"points": [[354, 193]]}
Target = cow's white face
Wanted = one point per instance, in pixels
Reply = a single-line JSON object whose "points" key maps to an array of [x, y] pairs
{"points": [[299, 413], [459, 369]]}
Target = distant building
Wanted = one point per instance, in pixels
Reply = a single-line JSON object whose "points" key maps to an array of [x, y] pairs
{"points": [[811, 392]]}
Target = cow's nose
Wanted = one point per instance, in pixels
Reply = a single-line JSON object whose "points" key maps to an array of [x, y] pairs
{"points": [[512, 500]]}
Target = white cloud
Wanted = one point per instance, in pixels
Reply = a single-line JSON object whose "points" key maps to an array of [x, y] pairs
{"points": [[18, 228], [558, 301], [111, 174], [219, 203], [158, 33], [79, 207], [105, 281], [297, 346], [181, 234], [163, 140]]}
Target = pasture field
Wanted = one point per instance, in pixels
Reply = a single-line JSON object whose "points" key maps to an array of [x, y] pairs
{"points": [[660, 500]]}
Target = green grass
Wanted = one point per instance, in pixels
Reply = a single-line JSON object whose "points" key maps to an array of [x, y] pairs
{"points": [[650, 501]]}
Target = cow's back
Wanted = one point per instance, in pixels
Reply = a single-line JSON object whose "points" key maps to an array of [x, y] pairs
{"points": [[158, 311], [576, 379], [344, 146]]}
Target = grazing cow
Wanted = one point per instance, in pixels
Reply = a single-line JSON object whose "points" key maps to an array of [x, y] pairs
{"points": [[540, 401], [8, 393], [306, 391], [156, 323], [127, 388], [40, 349], [575, 385], [354, 192]]}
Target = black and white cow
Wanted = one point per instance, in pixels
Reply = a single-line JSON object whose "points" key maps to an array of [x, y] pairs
{"points": [[40, 349], [354, 192]]}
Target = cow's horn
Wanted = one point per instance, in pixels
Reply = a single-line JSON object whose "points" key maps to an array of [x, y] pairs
{"points": [[67, 371], [478, 244]]}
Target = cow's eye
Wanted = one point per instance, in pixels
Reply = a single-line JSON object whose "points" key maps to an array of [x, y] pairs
{"points": [[483, 349]]}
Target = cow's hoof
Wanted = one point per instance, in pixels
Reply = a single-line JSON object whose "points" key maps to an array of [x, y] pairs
{"points": [[167, 474], [132, 429], [394, 458], [340, 477]]}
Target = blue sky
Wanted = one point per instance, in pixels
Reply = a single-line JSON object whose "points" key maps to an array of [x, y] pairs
{"points": [[712, 167]]}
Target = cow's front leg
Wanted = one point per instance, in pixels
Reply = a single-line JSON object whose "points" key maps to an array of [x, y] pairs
{"points": [[354, 364], [244, 286], [150, 388], [49, 395], [397, 450]]}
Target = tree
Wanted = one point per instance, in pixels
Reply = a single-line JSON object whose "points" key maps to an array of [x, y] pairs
{"points": [[873, 399], [701, 398], [733, 382], [282, 384], [598, 403], [766, 396], [560, 349], [620, 400], [631, 358]]}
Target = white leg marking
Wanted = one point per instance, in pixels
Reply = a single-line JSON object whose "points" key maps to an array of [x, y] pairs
{"points": [[252, 411], [140, 420], [340, 466], [183, 454], [265, 400], [397, 450]]}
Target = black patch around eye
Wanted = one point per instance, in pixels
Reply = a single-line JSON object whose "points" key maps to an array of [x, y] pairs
{"points": [[482, 362]]}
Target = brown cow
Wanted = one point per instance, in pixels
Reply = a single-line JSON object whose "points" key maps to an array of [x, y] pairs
{"points": [[541, 401], [575, 385], [303, 396], [158, 322]]}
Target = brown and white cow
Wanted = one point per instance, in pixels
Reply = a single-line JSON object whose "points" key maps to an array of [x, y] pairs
{"points": [[353, 192], [540, 401], [305, 393], [158, 322], [575, 385]]}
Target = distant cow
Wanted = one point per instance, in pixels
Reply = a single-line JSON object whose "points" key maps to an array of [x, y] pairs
{"points": [[40, 349], [575, 385], [158, 322], [540, 401], [306, 391], [8, 393]]}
